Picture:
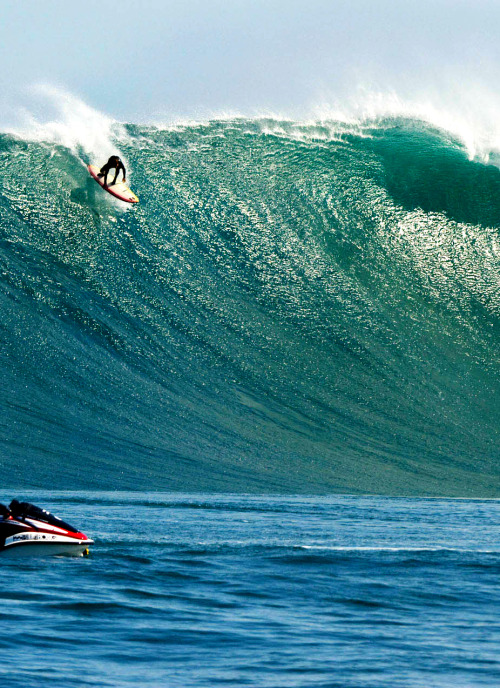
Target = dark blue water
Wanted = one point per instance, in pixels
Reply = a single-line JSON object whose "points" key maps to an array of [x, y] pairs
{"points": [[275, 592]]}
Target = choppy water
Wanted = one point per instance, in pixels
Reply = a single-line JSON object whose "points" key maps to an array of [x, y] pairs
{"points": [[202, 590]]}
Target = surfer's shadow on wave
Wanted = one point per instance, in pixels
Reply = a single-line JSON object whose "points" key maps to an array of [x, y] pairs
{"points": [[84, 195], [87, 197]]}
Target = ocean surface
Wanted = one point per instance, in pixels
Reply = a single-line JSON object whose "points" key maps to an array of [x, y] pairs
{"points": [[269, 591], [291, 307]]}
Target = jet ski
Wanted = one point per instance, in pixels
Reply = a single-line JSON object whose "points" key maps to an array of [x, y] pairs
{"points": [[26, 529]]}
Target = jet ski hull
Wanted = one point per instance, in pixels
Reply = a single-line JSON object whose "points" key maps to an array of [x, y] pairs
{"points": [[28, 530], [40, 544]]}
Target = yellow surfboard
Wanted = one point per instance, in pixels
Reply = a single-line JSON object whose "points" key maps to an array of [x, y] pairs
{"points": [[119, 190]]}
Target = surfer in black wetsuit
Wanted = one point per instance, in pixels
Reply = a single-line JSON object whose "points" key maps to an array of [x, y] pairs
{"points": [[114, 163]]}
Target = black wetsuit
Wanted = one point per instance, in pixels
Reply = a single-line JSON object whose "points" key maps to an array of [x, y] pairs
{"points": [[113, 163]]}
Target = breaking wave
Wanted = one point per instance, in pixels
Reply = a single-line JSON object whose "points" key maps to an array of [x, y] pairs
{"points": [[292, 307]]}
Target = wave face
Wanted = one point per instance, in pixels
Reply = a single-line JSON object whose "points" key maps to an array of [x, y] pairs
{"points": [[290, 308]]}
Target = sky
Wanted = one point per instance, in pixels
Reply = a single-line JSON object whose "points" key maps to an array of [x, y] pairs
{"points": [[146, 60]]}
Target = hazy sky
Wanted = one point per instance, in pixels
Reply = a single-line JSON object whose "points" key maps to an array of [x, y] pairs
{"points": [[147, 59]]}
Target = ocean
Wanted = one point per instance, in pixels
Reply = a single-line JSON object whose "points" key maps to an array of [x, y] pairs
{"points": [[269, 392], [269, 591]]}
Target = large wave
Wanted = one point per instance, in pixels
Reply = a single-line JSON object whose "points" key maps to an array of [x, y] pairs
{"points": [[292, 307]]}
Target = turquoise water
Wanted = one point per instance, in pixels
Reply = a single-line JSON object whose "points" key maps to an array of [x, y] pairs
{"points": [[290, 308], [204, 590]]}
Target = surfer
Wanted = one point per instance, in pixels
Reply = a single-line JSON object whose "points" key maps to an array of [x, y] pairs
{"points": [[113, 163]]}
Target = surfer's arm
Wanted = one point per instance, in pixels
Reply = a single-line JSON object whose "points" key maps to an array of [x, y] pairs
{"points": [[117, 172]]}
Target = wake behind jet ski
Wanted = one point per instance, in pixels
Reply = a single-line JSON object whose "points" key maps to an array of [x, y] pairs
{"points": [[26, 529]]}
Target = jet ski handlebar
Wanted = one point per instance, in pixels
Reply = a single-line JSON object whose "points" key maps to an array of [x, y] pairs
{"points": [[22, 510]]}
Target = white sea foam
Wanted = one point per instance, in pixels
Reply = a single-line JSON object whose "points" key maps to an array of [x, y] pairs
{"points": [[64, 119], [469, 114]]}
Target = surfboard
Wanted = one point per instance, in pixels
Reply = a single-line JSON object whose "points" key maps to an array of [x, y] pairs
{"points": [[119, 190]]}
